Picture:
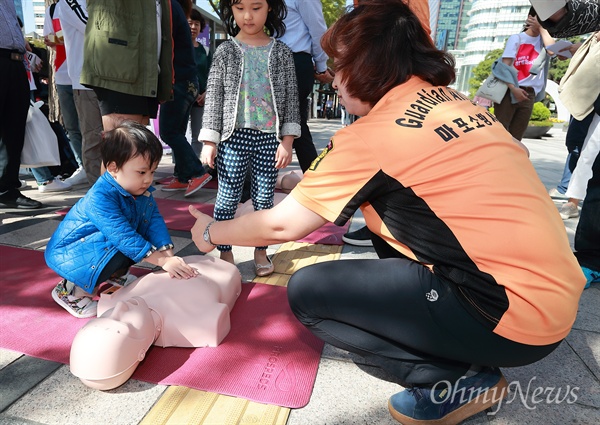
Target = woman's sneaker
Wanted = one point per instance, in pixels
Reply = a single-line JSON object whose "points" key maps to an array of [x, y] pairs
{"points": [[360, 237], [54, 185], [449, 403], [568, 210], [79, 176], [80, 307]]}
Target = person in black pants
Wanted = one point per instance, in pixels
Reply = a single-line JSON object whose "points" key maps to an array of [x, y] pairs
{"points": [[575, 18], [14, 105], [304, 27]]}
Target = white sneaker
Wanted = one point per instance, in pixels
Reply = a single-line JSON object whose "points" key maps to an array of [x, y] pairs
{"points": [[554, 193], [569, 210], [55, 185], [79, 176]]}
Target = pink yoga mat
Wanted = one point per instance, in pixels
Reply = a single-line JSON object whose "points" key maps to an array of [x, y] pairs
{"points": [[268, 356], [177, 217], [175, 213]]}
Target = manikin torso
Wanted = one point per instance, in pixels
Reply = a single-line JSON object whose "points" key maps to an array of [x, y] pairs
{"points": [[155, 309], [193, 312]]}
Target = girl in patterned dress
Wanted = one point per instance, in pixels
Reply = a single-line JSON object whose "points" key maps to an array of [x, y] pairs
{"points": [[251, 111]]}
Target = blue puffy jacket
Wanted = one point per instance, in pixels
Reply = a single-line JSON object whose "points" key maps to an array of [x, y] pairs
{"points": [[106, 220]]}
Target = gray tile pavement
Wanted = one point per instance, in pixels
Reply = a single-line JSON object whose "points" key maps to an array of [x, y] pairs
{"points": [[347, 390]]}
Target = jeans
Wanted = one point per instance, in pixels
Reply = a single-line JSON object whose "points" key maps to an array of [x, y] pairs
{"points": [[173, 120], [196, 125], [70, 119], [42, 174], [566, 176], [303, 145]]}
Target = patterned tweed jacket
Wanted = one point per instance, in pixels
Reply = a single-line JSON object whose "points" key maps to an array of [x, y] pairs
{"points": [[223, 89]]}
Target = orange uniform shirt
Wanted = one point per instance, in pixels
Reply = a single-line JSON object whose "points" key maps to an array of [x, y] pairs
{"points": [[443, 183]]}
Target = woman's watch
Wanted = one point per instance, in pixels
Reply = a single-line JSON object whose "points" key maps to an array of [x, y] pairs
{"points": [[320, 73], [206, 234]]}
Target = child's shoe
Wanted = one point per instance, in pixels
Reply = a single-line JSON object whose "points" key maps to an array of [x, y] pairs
{"points": [[591, 276], [81, 307], [449, 404]]}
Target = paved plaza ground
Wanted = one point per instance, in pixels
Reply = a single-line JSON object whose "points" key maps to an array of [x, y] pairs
{"points": [[347, 390]]}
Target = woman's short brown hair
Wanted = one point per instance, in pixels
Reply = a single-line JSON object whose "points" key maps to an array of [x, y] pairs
{"points": [[379, 45]]}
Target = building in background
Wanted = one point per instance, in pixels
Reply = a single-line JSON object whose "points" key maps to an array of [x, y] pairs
{"points": [[434, 10], [489, 24], [470, 29], [450, 17], [32, 14]]}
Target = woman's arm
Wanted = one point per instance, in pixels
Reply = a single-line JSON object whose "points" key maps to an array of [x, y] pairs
{"points": [[519, 93], [264, 227]]}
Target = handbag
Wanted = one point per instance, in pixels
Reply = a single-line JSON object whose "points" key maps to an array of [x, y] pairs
{"points": [[492, 89], [579, 88], [40, 148]]}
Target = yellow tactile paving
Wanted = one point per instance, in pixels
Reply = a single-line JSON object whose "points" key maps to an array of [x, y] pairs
{"points": [[185, 406], [293, 256]]}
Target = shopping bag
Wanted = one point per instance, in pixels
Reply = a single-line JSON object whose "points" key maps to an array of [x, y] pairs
{"points": [[492, 89], [41, 145]]}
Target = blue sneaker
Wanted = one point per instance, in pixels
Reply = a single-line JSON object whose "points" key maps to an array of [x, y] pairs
{"points": [[591, 276], [449, 403]]}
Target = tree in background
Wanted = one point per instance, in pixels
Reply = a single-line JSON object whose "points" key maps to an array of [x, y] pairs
{"points": [[483, 70], [332, 9]]}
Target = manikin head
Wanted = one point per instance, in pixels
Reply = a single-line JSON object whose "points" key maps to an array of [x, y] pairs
{"points": [[107, 350]]}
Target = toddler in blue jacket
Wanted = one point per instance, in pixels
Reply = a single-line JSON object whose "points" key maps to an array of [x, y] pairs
{"points": [[115, 225]]}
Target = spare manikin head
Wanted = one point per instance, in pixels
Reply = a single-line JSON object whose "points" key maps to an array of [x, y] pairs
{"points": [[107, 350]]}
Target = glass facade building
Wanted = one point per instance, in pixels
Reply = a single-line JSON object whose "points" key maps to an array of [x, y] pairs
{"points": [[451, 18], [490, 23]]}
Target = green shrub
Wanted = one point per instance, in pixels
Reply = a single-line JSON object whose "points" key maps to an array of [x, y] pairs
{"points": [[539, 112], [547, 123]]}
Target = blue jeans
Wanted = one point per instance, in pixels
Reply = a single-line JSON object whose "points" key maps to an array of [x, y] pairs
{"points": [[70, 119], [196, 125], [566, 176], [42, 174], [173, 120]]}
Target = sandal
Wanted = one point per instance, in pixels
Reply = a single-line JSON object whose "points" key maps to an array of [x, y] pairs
{"points": [[264, 269]]}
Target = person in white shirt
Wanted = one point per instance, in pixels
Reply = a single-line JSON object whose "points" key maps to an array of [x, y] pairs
{"points": [[304, 27], [521, 52], [73, 18], [53, 37]]}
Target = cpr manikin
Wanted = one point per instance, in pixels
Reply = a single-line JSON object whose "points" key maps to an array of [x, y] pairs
{"points": [[155, 309]]}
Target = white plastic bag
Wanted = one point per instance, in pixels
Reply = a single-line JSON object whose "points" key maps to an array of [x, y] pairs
{"points": [[41, 145]]}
